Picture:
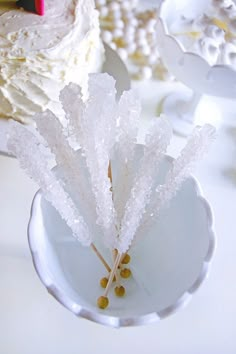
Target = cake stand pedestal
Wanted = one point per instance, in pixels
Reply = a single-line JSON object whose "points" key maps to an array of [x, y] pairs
{"points": [[180, 109]]}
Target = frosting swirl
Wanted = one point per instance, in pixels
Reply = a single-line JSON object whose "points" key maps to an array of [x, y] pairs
{"points": [[40, 55]]}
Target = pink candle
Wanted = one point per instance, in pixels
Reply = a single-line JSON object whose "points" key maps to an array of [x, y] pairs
{"points": [[39, 5], [32, 5]]}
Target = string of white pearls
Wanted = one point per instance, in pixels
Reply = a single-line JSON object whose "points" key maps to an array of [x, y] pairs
{"points": [[133, 35]]}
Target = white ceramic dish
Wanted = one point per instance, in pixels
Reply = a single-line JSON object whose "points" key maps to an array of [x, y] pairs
{"points": [[113, 65], [168, 265]]}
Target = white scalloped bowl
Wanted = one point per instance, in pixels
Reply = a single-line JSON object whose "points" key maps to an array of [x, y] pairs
{"points": [[190, 68], [168, 265]]}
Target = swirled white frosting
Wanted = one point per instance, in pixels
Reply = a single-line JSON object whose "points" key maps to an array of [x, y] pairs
{"points": [[40, 55]]}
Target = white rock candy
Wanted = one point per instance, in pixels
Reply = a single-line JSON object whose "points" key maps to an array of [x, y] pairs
{"points": [[129, 110], [196, 147], [157, 140], [72, 163], [98, 127], [34, 159], [107, 133]]}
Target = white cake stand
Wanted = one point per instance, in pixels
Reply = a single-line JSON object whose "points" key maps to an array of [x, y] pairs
{"points": [[190, 68], [168, 265]]}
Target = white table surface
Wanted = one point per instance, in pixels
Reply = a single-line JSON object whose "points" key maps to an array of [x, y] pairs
{"points": [[31, 321]]}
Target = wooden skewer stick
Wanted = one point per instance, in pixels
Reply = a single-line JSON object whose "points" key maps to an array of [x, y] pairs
{"points": [[110, 172], [94, 248], [117, 275], [103, 301], [114, 252], [112, 273]]}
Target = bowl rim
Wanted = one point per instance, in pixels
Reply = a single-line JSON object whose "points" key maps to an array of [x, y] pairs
{"points": [[109, 320]]}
